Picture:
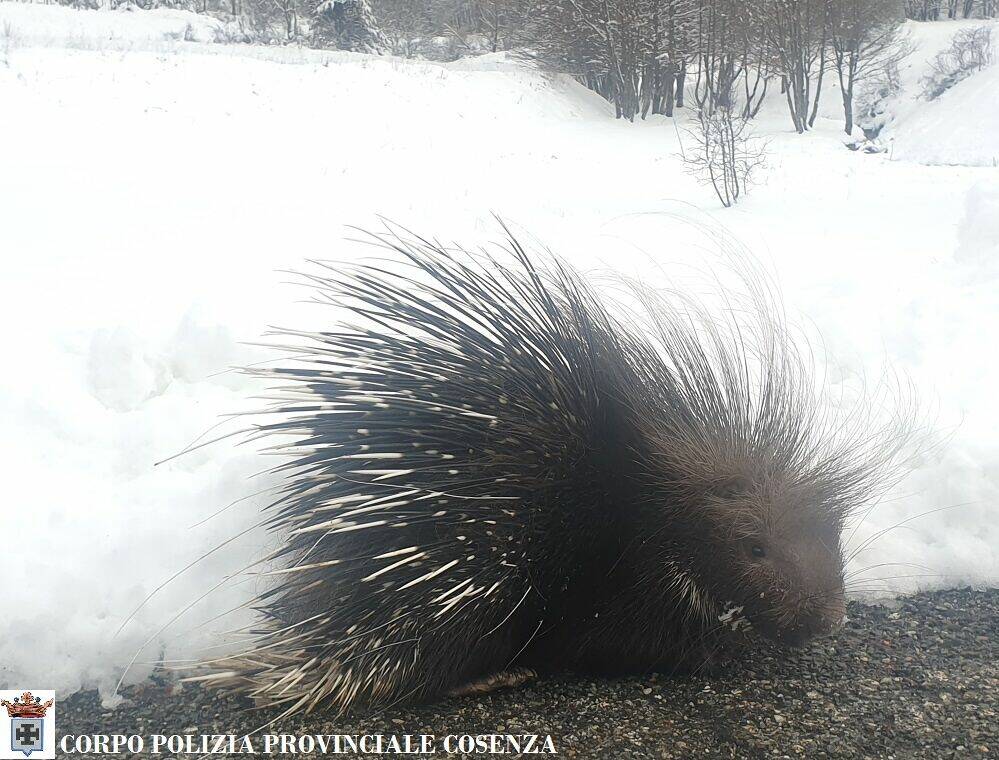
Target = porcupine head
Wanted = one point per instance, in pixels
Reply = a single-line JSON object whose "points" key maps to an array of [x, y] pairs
{"points": [[768, 552], [749, 479], [732, 482]]}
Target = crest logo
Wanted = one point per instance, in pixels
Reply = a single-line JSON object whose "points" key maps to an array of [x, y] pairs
{"points": [[32, 725]]}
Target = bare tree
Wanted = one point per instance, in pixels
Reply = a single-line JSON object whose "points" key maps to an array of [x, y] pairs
{"points": [[759, 64], [405, 23], [720, 29], [923, 10], [290, 12], [497, 20], [723, 153], [272, 20], [668, 45], [635, 53], [798, 31], [867, 41], [931, 10], [598, 41]]}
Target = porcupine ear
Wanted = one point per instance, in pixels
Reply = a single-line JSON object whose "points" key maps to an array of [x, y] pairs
{"points": [[423, 437]]}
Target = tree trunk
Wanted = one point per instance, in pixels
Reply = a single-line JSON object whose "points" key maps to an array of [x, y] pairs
{"points": [[669, 91], [818, 87], [823, 47], [848, 109]]}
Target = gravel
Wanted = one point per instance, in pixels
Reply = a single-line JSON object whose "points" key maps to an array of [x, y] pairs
{"points": [[917, 678]]}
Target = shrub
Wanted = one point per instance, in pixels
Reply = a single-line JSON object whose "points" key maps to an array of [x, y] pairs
{"points": [[970, 50], [724, 154]]}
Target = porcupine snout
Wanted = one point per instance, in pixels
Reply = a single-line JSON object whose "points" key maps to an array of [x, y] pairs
{"points": [[800, 593], [815, 620]]}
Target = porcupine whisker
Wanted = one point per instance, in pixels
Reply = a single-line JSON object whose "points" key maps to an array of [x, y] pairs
{"points": [[255, 731], [189, 449], [204, 556], [867, 513], [898, 577], [170, 622], [243, 368], [227, 418], [187, 567], [887, 578], [866, 544], [691, 645], [231, 504], [854, 573], [706, 659], [525, 645]]}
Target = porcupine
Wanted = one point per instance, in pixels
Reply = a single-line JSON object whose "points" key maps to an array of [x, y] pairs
{"points": [[493, 473]]}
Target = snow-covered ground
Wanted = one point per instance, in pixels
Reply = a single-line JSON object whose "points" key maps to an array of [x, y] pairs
{"points": [[153, 187]]}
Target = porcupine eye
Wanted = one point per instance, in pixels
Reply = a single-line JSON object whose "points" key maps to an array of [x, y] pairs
{"points": [[757, 551]]}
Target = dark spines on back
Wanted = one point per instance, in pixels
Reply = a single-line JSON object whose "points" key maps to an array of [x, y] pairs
{"points": [[429, 445], [487, 467]]}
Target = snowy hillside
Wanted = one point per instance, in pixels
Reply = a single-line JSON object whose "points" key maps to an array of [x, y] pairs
{"points": [[154, 187], [960, 128]]}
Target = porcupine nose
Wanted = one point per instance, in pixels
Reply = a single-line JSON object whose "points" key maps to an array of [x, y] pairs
{"points": [[798, 635], [794, 637], [823, 620]]}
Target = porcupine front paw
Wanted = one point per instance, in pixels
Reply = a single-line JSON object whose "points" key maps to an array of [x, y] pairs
{"points": [[506, 679]]}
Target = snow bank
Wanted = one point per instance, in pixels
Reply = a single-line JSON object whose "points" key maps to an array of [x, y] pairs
{"points": [[978, 242], [103, 29], [150, 200]]}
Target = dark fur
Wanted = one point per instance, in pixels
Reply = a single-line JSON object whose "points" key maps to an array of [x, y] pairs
{"points": [[589, 491]]}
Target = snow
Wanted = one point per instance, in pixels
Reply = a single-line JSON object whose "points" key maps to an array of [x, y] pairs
{"points": [[155, 189], [961, 127], [100, 29], [978, 242]]}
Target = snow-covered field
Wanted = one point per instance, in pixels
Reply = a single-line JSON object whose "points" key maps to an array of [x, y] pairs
{"points": [[153, 186]]}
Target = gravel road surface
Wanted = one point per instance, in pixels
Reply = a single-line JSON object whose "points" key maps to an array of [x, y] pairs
{"points": [[918, 678]]}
